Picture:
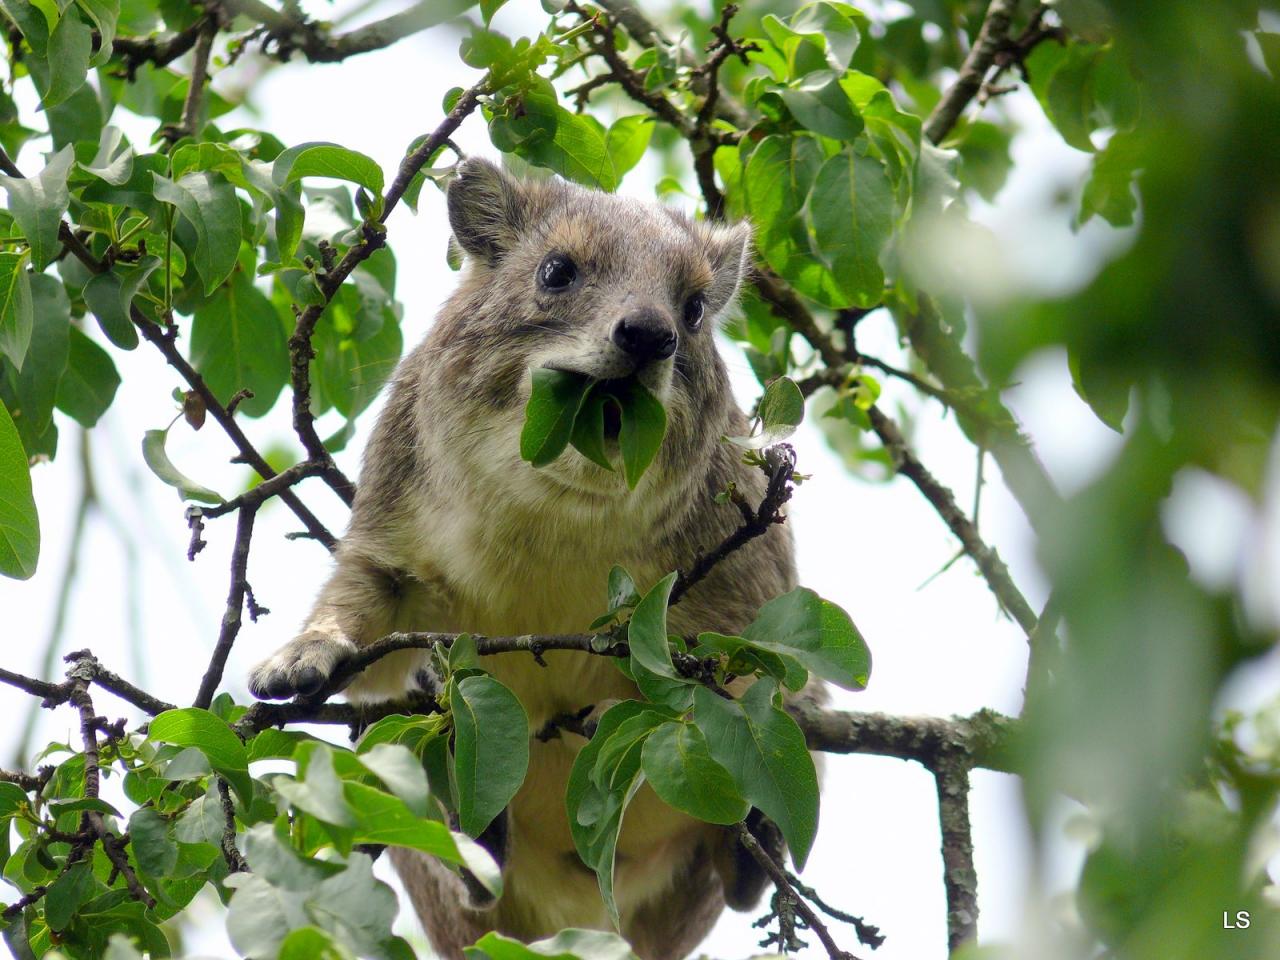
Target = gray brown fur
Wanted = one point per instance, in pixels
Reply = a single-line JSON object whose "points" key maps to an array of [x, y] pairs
{"points": [[452, 531]]}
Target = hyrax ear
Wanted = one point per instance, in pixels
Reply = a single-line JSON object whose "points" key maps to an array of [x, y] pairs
{"points": [[487, 209], [730, 262]]}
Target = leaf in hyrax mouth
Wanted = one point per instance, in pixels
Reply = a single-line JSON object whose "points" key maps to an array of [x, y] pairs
{"points": [[567, 407]]}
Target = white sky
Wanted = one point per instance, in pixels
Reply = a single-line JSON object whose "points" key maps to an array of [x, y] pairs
{"points": [[940, 649]]}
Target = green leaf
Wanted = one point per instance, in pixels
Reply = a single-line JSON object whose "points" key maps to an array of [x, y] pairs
{"points": [[588, 428], [554, 401], [490, 749], [203, 821], [310, 943], [15, 307], [1109, 192], [37, 383], [153, 452], [114, 160], [544, 133], [763, 749], [678, 765], [781, 410], [320, 791], [287, 201], [211, 157], [237, 343], [622, 589], [328, 160], [655, 674], [1104, 388], [286, 891], [110, 295], [852, 210], [744, 658], [208, 202], [488, 8], [67, 894], [830, 27], [79, 118], [595, 814], [463, 654], [104, 14], [12, 799], [571, 944], [38, 204], [70, 46], [193, 727], [383, 818], [816, 632], [644, 424], [776, 181], [1069, 97], [820, 104], [19, 524], [151, 840], [985, 161], [350, 370], [627, 140], [89, 384], [401, 771]]}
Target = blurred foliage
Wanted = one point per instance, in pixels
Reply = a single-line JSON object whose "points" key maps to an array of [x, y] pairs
{"points": [[217, 236]]}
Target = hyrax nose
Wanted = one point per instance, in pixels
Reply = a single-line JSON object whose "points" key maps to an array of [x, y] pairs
{"points": [[645, 336]]}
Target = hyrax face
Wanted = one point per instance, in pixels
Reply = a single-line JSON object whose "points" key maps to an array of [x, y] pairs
{"points": [[592, 283]]}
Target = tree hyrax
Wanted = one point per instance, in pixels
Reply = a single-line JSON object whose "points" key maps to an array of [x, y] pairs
{"points": [[452, 531]]}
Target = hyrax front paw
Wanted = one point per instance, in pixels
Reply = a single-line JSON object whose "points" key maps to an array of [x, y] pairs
{"points": [[301, 667]]}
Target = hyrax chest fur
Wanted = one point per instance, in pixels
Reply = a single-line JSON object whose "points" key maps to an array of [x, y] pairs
{"points": [[452, 531]]}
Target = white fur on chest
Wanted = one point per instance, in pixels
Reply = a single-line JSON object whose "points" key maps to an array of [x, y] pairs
{"points": [[525, 556]]}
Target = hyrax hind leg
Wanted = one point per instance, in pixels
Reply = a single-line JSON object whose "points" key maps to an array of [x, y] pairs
{"points": [[361, 602]]}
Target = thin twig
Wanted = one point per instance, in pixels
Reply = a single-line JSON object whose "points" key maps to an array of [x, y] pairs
{"points": [[199, 76], [161, 339], [606, 47], [265, 490], [989, 564], [373, 238], [779, 878], [780, 460], [80, 676], [868, 934], [231, 617], [236, 862]]}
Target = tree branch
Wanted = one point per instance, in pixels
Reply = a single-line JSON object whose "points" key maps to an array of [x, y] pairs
{"points": [[373, 237], [780, 460], [235, 606], [944, 502], [621, 71], [984, 418], [288, 34], [199, 77], [79, 677], [951, 776], [164, 342], [991, 36], [158, 51], [797, 902]]}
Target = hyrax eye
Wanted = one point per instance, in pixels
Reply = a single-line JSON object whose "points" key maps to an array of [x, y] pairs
{"points": [[557, 272], [694, 308]]}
